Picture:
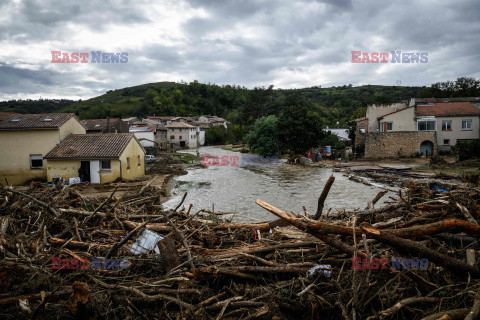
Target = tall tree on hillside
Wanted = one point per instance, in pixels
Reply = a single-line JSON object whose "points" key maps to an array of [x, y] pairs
{"points": [[299, 129], [259, 102], [263, 138]]}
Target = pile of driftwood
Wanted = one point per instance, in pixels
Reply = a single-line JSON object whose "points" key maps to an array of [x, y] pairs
{"points": [[64, 255]]}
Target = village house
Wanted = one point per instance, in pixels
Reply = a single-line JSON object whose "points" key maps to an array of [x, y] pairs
{"points": [[183, 119], [97, 158], [114, 125], [163, 120], [423, 127], [182, 134], [162, 137], [26, 138], [161, 131], [146, 135], [130, 120], [213, 121]]}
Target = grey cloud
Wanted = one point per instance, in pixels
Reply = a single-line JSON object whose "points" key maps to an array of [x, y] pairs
{"points": [[41, 20], [254, 43]]}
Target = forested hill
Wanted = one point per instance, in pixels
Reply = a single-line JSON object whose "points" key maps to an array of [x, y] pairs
{"points": [[236, 104]]}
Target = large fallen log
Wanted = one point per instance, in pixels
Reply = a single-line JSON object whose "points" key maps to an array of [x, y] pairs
{"points": [[448, 225], [412, 247], [339, 245]]}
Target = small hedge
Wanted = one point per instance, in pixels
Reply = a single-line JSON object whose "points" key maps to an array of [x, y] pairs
{"points": [[468, 150]]}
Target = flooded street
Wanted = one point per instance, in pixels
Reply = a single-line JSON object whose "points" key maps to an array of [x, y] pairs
{"points": [[288, 187]]}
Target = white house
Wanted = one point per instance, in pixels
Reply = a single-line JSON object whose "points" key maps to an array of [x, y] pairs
{"points": [[182, 134], [145, 135]]}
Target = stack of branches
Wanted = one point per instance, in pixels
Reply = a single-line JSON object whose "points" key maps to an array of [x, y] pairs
{"points": [[210, 267]]}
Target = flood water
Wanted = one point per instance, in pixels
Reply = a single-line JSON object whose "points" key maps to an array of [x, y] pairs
{"points": [[288, 187]]}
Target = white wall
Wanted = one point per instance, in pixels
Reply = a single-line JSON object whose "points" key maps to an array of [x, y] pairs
{"points": [[145, 135], [374, 112], [401, 121], [189, 135], [200, 137], [456, 132]]}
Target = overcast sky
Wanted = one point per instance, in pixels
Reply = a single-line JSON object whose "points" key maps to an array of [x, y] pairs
{"points": [[290, 44]]}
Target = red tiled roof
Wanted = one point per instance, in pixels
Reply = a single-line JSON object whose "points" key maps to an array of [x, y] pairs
{"points": [[162, 118], [91, 146], [35, 121], [98, 124], [448, 109], [180, 125], [6, 115]]}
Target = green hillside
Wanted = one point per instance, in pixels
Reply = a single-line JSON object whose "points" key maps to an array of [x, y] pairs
{"points": [[235, 103]]}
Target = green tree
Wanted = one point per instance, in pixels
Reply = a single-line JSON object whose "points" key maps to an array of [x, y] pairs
{"points": [[218, 135], [263, 138], [299, 129]]}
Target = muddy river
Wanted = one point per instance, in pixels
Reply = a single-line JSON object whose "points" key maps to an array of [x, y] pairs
{"points": [[235, 188]]}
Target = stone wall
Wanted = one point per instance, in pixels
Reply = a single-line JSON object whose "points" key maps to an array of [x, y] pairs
{"points": [[359, 135], [395, 144]]}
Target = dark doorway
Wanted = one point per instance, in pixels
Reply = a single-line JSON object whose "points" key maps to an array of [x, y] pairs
{"points": [[182, 144], [84, 171], [426, 148]]}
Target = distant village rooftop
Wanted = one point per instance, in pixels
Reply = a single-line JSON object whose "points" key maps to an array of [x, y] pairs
{"points": [[35, 121], [91, 146], [6, 115], [448, 109], [143, 129], [179, 125], [162, 118], [98, 124]]}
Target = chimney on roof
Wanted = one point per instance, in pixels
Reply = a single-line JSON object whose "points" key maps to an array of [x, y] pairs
{"points": [[108, 124]]}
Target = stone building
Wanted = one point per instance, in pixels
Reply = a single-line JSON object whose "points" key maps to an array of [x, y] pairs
{"points": [[421, 128]]}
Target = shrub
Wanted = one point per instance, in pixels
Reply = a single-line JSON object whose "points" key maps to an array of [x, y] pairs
{"points": [[468, 150]]}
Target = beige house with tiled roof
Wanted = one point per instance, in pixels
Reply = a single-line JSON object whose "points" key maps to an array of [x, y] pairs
{"points": [[26, 138], [97, 158]]}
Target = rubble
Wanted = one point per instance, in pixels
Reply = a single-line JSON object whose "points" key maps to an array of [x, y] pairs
{"points": [[65, 255]]}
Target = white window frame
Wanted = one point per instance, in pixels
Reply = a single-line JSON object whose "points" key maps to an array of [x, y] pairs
{"points": [[467, 121], [446, 144], [36, 157], [425, 119], [446, 127]]}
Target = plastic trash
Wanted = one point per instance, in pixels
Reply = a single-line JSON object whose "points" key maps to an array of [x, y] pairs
{"points": [[438, 189], [321, 269], [74, 180], [146, 241]]}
